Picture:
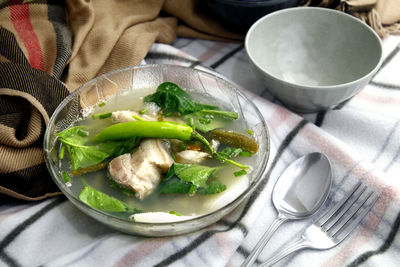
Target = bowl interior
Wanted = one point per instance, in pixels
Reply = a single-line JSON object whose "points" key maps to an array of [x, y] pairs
{"points": [[133, 83], [313, 46]]}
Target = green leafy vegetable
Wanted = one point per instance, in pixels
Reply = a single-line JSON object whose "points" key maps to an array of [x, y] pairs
{"points": [[230, 152], [123, 189], [214, 187], [104, 202], [193, 173], [174, 213], [143, 111], [245, 154], [250, 132], [102, 115], [138, 118], [62, 151], [84, 156], [223, 158], [82, 133], [171, 98], [182, 146], [207, 120], [190, 179], [174, 185], [190, 121], [240, 173], [66, 177]]}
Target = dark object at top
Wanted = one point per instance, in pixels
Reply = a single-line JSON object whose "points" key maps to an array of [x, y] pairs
{"points": [[239, 15]]}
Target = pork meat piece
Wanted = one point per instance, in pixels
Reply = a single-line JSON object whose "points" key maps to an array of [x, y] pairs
{"points": [[127, 115], [142, 170], [191, 156]]}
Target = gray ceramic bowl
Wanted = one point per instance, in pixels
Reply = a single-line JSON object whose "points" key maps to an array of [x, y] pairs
{"points": [[312, 58]]}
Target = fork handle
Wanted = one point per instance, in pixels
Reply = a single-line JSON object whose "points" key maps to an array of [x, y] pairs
{"points": [[263, 241], [301, 243]]}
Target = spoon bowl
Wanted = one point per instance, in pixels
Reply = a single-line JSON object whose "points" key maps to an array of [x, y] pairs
{"points": [[299, 192], [303, 187]]}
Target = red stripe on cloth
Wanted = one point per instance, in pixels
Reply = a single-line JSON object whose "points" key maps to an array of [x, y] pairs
{"points": [[20, 17]]}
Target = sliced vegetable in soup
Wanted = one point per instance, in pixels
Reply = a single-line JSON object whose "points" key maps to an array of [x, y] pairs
{"points": [[168, 153]]}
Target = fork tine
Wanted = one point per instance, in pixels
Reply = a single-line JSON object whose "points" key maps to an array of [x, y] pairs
{"points": [[338, 205], [350, 213], [348, 228], [345, 208]]}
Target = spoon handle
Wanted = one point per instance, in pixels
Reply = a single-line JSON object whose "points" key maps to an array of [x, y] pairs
{"points": [[263, 241], [295, 246]]}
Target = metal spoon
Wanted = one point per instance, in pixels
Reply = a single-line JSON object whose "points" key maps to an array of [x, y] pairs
{"points": [[299, 192]]}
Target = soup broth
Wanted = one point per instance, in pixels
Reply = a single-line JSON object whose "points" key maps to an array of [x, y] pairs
{"points": [[183, 204]]}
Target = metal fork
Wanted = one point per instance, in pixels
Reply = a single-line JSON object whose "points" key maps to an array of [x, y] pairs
{"points": [[335, 225]]}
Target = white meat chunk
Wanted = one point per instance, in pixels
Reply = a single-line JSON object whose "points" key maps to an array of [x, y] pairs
{"points": [[127, 115], [156, 152], [191, 156], [142, 170]]}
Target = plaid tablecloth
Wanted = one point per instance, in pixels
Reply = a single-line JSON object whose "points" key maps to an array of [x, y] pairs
{"points": [[360, 137]]}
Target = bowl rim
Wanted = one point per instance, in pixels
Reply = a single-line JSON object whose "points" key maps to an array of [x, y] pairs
{"points": [[318, 9], [238, 89]]}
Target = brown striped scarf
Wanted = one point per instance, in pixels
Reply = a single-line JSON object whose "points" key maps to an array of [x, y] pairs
{"points": [[50, 48]]}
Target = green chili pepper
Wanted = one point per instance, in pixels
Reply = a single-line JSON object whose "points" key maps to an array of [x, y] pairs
{"points": [[151, 129]]}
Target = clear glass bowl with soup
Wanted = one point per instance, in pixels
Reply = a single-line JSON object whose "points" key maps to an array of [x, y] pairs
{"points": [[157, 150]]}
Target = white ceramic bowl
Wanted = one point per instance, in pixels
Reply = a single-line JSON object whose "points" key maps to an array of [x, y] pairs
{"points": [[313, 58]]}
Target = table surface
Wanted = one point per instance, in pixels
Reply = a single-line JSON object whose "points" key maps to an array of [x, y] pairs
{"points": [[361, 138]]}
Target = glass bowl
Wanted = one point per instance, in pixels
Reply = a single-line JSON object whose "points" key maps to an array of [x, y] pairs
{"points": [[133, 81]]}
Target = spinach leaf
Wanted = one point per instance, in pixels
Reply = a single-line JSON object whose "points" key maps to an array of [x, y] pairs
{"points": [[206, 120], [71, 136], [193, 173], [240, 173], [174, 213], [231, 152], [83, 156], [104, 202], [123, 189], [174, 185], [171, 98], [214, 187], [190, 179]]}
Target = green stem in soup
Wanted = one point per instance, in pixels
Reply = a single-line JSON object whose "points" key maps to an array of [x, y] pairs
{"points": [[102, 115], [225, 159]]}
